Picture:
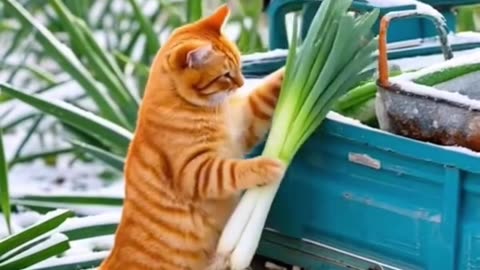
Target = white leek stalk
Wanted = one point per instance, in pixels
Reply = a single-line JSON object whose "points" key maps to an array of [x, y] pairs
{"points": [[333, 58]]}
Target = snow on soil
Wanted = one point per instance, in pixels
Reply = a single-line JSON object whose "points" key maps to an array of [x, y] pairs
{"points": [[63, 178]]}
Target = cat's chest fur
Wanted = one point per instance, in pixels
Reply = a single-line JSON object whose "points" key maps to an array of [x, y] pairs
{"points": [[232, 146]]}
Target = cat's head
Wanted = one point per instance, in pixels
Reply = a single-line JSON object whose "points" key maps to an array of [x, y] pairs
{"points": [[204, 65]]}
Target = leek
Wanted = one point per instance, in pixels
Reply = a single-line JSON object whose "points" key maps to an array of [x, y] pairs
{"points": [[359, 102], [334, 57]]}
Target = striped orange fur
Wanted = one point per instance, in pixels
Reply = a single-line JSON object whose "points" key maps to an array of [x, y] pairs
{"points": [[185, 167]]}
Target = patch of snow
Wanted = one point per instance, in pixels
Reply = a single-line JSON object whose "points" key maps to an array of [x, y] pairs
{"points": [[138, 48], [233, 30], [117, 188], [77, 249], [96, 10], [454, 39], [77, 208], [263, 55], [22, 109], [27, 219], [165, 34], [401, 45], [462, 150], [38, 178], [102, 219], [390, 3], [349, 121], [438, 94], [42, 141], [149, 7], [353, 122], [52, 262], [248, 22], [101, 38], [103, 243], [472, 58], [419, 62], [421, 7], [427, 9], [19, 222], [50, 215], [4, 229], [466, 35]]}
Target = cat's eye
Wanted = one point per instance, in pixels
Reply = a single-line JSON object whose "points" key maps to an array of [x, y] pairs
{"points": [[228, 75], [233, 78]]}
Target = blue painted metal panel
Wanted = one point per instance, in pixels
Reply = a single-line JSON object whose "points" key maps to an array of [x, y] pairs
{"points": [[412, 205]]}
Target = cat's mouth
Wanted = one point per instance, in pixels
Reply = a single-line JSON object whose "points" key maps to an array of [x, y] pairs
{"points": [[214, 92]]}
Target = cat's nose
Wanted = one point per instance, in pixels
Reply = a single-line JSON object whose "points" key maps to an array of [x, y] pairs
{"points": [[238, 79]]}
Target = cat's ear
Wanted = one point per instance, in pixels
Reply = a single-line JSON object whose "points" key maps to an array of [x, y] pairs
{"points": [[198, 57], [190, 55], [219, 18]]}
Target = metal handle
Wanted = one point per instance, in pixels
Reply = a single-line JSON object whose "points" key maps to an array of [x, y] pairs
{"points": [[440, 25]]}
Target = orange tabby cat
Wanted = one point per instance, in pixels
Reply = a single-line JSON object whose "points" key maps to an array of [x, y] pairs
{"points": [[185, 167]]}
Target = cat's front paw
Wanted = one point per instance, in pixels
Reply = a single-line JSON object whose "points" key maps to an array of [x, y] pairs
{"points": [[270, 170], [276, 80]]}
